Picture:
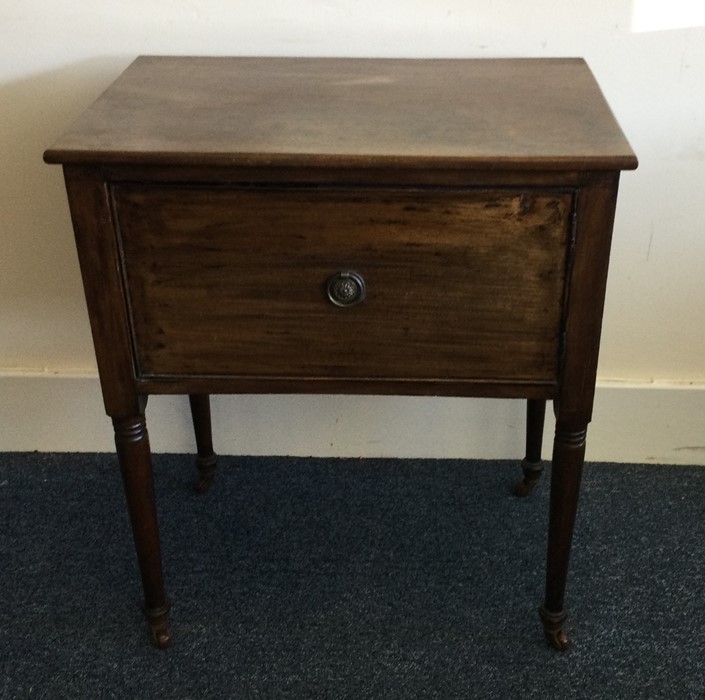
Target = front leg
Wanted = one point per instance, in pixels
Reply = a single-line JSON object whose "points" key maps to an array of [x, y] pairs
{"points": [[135, 459], [568, 459]]}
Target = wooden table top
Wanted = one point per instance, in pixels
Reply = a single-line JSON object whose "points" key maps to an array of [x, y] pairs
{"points": [[459, 113]]}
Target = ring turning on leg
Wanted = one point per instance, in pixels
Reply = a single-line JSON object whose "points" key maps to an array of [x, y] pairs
{"points": [[136, 467]]}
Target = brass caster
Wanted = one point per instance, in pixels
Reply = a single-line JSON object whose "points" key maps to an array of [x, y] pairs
{"points": [[206, 472], [532, 476], [553, 629], [159, 630], [203, 483], [160, 638], [524, 487]]}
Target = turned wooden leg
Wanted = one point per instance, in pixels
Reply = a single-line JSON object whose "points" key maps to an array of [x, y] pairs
{"points": [[206, 459], [532, 466], [136, 467], [568, 459]]}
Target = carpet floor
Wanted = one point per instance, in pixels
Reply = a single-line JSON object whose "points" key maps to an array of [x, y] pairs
{"points": [[348, 578]]}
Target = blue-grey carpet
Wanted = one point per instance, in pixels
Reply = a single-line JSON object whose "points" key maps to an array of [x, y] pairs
{"points": [[326, 578]]}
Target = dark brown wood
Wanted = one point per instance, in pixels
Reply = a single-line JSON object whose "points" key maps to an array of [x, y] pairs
{"points": [[133, 451], [390, 113], [435, 265], [344, 385], [594, 217], [206, 457], [213, 198], [100, 268], [532, 466], [237, 174], [568, 458]]}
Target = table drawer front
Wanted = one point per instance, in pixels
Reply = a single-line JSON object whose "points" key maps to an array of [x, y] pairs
{"points": [[459, 283]]}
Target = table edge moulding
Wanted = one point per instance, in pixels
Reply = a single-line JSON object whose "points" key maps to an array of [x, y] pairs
{"points": [[336, 225]]}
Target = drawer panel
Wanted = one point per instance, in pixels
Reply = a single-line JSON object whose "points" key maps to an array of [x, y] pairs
{"points": [[460, 283]]}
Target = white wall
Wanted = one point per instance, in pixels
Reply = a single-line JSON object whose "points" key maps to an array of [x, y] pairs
{"points": [[56, 57]]}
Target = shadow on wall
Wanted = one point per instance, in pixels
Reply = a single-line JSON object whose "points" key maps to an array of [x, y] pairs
{"points": [[41, 302]]}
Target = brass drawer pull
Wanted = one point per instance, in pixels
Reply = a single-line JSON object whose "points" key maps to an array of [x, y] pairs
{"points": [[346, 288]]}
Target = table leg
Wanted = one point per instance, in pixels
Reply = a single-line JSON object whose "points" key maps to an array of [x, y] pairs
{"points": [[531, 465], [134, 455], [566, 473], [206, 459]]}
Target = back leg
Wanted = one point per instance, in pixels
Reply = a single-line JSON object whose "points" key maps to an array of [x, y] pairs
{"points": [[206, 459], [531, 465]]}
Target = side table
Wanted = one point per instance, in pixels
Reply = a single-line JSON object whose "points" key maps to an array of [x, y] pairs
{"points": [[411, 227]]}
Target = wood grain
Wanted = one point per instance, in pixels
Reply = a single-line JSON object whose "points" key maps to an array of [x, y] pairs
{"points": [[232, 281], [476, 113]]}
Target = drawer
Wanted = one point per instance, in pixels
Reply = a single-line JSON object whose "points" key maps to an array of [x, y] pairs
{"points": [[459, 283]]}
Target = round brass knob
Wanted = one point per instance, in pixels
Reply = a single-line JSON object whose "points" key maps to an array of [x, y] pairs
{"points": [[346, 288]]}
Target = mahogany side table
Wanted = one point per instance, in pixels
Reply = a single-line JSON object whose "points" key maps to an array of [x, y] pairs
{"points": [[411, 227]]}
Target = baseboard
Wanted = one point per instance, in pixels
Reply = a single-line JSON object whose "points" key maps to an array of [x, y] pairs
{"points": [[632, 423]]}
